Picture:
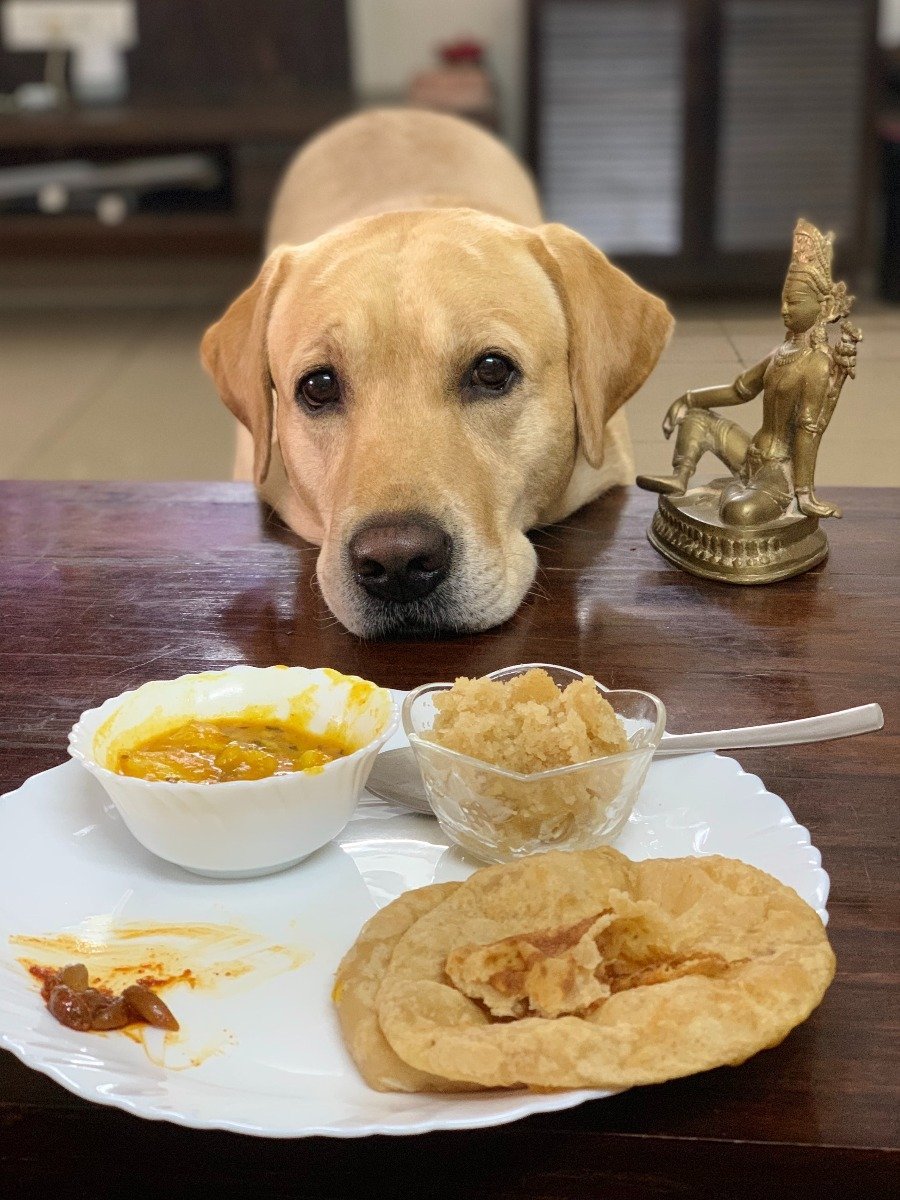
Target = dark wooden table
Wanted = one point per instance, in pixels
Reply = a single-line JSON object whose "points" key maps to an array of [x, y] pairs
{"points": [[103, 586]]}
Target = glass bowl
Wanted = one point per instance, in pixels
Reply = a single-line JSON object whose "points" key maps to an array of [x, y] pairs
{"points": [[499, 815]]}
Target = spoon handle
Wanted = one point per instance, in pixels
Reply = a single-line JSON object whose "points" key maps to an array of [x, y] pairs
{"points": [[864, 719]]}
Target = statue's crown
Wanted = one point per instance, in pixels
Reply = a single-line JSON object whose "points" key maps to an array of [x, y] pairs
{"points": [[812, 252]]}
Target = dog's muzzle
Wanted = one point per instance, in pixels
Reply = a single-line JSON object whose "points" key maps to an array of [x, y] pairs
{"points": [[404, 574]]}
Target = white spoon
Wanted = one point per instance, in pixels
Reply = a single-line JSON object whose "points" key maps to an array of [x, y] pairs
{"points": [[395, 776]]}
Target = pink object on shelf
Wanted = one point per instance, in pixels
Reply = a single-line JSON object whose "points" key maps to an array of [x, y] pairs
{"points": [[460, 84]]}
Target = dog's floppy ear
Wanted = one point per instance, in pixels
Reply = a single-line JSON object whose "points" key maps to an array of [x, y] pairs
{"points": [[234, 352], [617, 331]]}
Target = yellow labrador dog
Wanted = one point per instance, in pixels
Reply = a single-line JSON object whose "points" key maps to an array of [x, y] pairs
{"points": [[423, 371]]}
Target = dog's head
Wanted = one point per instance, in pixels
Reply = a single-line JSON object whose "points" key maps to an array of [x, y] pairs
{"points": [[429, 376]]}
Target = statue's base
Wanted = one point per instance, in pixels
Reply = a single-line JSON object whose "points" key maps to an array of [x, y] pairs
{"points": [[688, 531]]}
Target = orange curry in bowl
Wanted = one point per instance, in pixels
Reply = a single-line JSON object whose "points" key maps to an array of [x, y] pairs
{"points": [[225, 749]]}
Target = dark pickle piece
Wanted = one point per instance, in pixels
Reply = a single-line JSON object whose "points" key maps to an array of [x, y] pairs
{"points": [[75, 1004], [95, 1000], [115, 1014], [75, 976], [69, 1008], [148, 1006]]}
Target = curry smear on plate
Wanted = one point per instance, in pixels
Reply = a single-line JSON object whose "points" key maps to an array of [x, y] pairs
{"points": [[157, 955], [256, 742]]}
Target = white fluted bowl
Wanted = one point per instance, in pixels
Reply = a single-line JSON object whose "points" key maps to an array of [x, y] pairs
{"points": [[245, 827]]}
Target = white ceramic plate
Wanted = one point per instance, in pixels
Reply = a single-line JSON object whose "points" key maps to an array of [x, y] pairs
{"points": [[271, 1061]]}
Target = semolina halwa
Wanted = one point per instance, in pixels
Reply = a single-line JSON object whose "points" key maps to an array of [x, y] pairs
{"points": [[548, 767], [527, 724]]}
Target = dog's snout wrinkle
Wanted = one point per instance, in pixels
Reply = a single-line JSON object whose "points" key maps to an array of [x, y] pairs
{"points": [[400, 559]]}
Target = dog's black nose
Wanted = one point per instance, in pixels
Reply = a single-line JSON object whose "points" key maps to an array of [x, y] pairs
{"points": [[400, 559]]}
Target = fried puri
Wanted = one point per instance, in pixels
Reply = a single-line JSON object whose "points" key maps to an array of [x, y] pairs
{"points": [[356, 986], [581, 970]]}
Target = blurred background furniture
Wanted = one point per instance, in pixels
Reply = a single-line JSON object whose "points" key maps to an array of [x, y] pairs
{"points": [[686, 136], [683, 136], [889, 137], [241, 84]]}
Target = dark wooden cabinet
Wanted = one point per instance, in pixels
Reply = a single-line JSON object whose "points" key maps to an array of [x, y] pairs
{"points": [[251, 140], [244, 83], [686, 136]]}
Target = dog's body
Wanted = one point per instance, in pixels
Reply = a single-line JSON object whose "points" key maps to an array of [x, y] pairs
{"points": [[406, 250]]}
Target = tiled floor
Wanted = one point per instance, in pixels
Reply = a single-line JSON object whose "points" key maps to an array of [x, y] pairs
{"points": [[93, 392]]}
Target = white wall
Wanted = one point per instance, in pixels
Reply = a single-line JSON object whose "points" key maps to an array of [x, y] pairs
{"points": [[889, 22], [393, 39]]}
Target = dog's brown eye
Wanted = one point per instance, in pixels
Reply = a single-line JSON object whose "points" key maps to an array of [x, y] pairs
{"points": [[493, 372], [318, 389]]}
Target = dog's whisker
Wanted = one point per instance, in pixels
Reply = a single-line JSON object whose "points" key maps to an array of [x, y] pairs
{"points": [[538, 593]]}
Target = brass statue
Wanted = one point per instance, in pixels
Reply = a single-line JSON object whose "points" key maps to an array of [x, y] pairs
{"points": [[761, 523]]}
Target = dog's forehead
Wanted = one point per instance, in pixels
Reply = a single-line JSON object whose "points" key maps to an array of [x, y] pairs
{"points": [[434, 273]]}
